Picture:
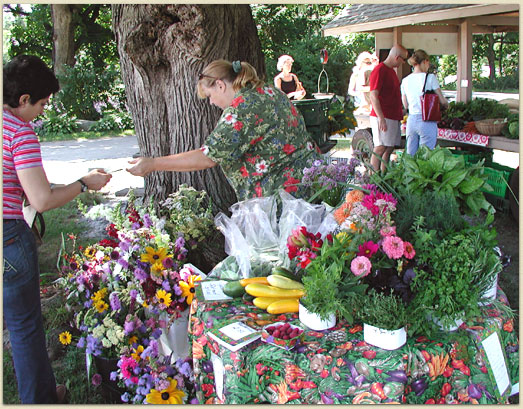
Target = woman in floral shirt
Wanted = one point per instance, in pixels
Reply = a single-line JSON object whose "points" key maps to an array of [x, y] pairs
{"points": [[260, 140]]}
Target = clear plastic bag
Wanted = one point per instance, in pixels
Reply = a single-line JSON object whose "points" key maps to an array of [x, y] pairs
{"points": [[255, 237]]}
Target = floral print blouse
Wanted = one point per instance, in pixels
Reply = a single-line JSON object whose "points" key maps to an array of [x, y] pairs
{"points": [[261, 144]]}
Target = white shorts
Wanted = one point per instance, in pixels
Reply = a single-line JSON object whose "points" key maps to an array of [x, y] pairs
{"points": [[391, 137]]}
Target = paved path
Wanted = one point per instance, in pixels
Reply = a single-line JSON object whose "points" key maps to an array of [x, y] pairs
{"points": [[66, 161]]}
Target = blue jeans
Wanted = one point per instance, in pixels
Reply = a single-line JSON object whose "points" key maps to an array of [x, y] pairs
{"points": [[420, 132], [23, 315]]}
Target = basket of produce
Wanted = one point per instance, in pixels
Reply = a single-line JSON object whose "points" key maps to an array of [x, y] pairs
{"points": [[490, 127]]}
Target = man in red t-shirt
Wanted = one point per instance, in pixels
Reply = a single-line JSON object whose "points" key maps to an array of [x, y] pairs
{"points": [[387, 112]]}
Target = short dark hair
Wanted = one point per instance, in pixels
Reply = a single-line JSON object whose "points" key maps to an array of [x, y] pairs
{"points": [[27, 74]]}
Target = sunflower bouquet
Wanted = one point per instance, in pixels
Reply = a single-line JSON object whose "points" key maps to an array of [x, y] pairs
{"points": [[125, 292]]}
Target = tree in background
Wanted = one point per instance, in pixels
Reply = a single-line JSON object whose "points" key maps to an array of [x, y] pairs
{"points": [[163, 49], [295, 29]]}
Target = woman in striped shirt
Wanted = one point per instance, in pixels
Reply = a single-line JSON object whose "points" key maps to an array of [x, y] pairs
{"points": [[27, 85]]}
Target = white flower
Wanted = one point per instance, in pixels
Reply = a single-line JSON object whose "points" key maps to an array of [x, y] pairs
{"points": [[230, 119], [262, 167], [310, 146], [269, 91]]}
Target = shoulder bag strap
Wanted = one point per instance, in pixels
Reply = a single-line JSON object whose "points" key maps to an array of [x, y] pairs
{"points": [[425, 83]]}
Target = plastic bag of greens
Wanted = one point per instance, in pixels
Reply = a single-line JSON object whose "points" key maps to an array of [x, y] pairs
{"points": [[251, 235]]}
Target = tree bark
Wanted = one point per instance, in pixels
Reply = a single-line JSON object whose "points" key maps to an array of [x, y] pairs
{"points": [[162, 50], [491, 56], [63, 36]]}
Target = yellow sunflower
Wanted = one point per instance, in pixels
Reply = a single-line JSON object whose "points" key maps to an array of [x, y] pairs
{"points": [[99, 295], [65, 338], [137, 352], [90, 252], [153, 256], [171, 395], [163, 297], [101, 306], [188, 289]]}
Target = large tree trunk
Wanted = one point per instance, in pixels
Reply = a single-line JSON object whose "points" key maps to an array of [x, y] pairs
{"points": [[162, 50], [491, 56], [63, 36]]}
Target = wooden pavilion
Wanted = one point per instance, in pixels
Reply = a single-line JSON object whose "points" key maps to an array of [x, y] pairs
{"points": [[440, 29]]}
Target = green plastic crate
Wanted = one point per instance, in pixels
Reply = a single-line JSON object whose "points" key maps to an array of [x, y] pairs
{"points": [[501, 204], [498, 177], [474, 157]]}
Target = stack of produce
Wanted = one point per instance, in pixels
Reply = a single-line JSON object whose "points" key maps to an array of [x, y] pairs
{"points": [[278, 293]]}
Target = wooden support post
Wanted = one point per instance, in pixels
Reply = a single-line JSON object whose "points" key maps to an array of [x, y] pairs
{"points": [[397, 39], [464, 80]]}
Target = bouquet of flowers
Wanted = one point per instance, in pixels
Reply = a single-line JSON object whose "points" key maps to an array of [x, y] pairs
{"points": [[126, 290], [330, 180], [188, 211], [367, 227]]}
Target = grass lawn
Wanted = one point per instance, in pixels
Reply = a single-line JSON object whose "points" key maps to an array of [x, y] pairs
{"points": [[84, 135]]}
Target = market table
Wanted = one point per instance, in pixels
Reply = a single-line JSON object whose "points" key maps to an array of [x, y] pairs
{"points": [[337, 367]]}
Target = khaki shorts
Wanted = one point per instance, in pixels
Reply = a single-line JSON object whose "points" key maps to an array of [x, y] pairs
{"points": [[391, 137]]}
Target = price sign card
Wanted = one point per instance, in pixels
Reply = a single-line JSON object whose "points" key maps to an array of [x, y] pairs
{"points": [[212, 290], [497, 362]]}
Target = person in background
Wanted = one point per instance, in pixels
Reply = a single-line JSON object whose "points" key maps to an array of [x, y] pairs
{"points": [[260, 140], [386, 111], [358, 82], [27, 87], [286, 81], [419, 131]]}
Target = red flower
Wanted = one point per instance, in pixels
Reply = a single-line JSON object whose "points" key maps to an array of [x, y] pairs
{"points": [[244, 172], [238, 125], [260, 90], [255, 141], [237, 101], [288, 148], [290, 184], [294, 123], [368, 249], [258, 190], [293, 110]]}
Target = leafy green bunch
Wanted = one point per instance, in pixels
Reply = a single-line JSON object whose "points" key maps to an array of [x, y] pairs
{"points": [[440, 171], [452, 273], [385, 311], [188, 211], [330, 285], [340, 115], [475, 110]]}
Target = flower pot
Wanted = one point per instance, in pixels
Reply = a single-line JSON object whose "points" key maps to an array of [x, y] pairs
{"points": [[491, 293], [313, 321], [110, 390], [383, 338], [175, 339], [454, 327]]}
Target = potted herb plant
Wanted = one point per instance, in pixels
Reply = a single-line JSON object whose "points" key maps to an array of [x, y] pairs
{"points": [[384, 318], [330, 286]]}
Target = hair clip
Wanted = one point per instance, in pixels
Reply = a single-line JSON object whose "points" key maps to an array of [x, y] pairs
{"points": [[236, 66]]}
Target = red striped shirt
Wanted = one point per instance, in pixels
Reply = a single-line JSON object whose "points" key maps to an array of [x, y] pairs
{"points": [[21, 151]]}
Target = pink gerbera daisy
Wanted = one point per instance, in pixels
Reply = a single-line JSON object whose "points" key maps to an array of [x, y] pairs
{"points": [[360, 266], [393, 247]]}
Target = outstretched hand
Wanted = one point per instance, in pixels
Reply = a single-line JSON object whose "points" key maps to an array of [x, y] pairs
{"points": [[97, 179], [142, 166]]}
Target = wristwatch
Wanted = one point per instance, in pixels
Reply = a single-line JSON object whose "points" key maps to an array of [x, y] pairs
{"points": [[84, 186]]}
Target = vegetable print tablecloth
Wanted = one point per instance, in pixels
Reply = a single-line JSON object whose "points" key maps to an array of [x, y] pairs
{"points": [[337, 367]]}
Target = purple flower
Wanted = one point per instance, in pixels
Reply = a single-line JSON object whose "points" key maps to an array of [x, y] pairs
{"points": [[115, 302], [180, 242], [147, 222], [184, 368], [81, 343], [114, 255], [156, 333], [166, 286], [123, 263], [94, 346], [124, 245], [128, 327], [140, 274], [125, 397], [96, 379], [168, 262]]}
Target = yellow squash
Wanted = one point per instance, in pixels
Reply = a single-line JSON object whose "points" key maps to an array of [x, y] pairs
{"points": [[259, 280], [264, 302], [284, 306], [284, 282], [262, 290]]}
